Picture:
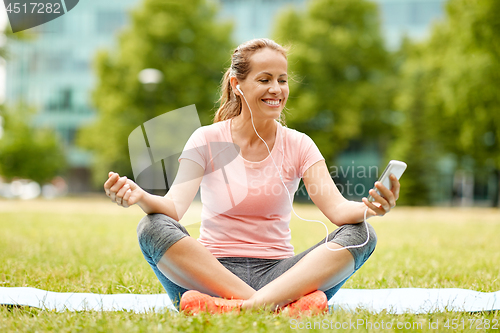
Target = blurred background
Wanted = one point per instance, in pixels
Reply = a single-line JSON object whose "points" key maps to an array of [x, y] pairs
{"points": [[414, 80]]}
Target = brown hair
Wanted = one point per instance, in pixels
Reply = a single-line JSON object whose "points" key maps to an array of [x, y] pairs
{"points": [[230, 103]]}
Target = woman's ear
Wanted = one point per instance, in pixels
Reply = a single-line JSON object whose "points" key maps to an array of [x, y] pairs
{"points": [[234, 83]]}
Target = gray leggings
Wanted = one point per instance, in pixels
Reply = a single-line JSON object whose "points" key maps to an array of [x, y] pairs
{"points": [[157, 232]]}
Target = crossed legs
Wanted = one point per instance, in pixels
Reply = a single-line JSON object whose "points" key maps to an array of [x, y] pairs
{"points": [[181, 263], [309, 274], [190, 265]]}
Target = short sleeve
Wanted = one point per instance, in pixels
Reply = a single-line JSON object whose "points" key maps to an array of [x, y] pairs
{"points": [[194, 149], [309, 154]]}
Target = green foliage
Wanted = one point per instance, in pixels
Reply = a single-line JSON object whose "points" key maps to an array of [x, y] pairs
{"points": [[27, 152], [413, 143], [450, 82], [184, 42], [468, 83], [18, 36], [342, 90]]}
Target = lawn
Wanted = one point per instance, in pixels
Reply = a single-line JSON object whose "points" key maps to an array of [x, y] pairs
{"points": [[90, 245]]}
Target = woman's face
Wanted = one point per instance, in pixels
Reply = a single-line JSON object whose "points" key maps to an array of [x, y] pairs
{"points": [[266, 86]]}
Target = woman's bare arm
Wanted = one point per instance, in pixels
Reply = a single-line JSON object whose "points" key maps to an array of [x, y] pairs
{"points": [[126, 193], [325, 194]]}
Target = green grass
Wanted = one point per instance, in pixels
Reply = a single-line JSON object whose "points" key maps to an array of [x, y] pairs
{"points": [[89, 245]]}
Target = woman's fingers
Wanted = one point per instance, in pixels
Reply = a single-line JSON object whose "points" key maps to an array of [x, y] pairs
{"points": [[113, 177], [375, 210], [122, 190], [126, 198], [384, 204], [386, 196], [386, 199], [116, 187], [395, 186], [121, 193]]}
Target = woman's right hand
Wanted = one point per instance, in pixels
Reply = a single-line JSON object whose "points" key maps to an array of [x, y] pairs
{"points": [[122, 190]]}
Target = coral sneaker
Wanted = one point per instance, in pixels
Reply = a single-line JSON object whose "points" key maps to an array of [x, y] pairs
{"points": [[311, 304], [194, 302]]}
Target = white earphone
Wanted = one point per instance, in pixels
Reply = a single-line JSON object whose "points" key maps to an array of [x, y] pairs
{"points": [[238, 87]]}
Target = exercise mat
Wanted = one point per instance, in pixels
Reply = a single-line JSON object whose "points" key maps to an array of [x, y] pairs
{"points": [[395, 301]]}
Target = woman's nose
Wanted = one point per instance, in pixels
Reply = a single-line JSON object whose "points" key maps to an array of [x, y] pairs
{"points": [[275, 88]]}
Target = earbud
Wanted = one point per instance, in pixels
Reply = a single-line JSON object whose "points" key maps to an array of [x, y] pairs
{"points": [[238, 87]]}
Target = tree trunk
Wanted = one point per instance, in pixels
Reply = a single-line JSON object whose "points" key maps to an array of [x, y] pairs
{"points": [[496, 195], [497, 192]]}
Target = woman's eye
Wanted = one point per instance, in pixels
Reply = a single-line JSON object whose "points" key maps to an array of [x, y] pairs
{"points": [[264, 80], [283, 81]]}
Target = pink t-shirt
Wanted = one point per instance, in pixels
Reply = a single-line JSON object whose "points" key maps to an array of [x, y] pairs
{"points": [[246, 209]]}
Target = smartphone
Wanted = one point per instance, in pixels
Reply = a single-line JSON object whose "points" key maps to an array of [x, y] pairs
{"points": [[395, 167]]}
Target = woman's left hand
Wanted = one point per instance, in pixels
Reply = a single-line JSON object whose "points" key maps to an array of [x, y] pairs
{"points": [[386, 201]]}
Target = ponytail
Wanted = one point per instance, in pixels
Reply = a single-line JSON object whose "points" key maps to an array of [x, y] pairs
{"points": [[230, 103]]}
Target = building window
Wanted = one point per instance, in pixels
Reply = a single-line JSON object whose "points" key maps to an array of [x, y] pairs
{"points": [[63, 101], [66, 98], [56, 62], [416, 13], [109, 21]]}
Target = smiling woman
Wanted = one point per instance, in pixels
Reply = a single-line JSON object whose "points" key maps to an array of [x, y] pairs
{"points": [[243, 255], [239, 70]]}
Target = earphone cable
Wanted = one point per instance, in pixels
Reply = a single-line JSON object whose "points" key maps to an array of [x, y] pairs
{"points": [[290, 196]]}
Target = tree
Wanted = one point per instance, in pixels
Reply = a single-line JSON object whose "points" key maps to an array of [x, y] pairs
{"points": [[458, 68], [9, 35], [341, 90], [184, 42], [412, 142], [27, 152]]}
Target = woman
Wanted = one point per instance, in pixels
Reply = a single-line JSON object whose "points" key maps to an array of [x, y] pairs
{"points": [[243, 256]]}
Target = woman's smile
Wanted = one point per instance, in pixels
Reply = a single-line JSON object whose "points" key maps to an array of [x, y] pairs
{"points": [[274, 103]]}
